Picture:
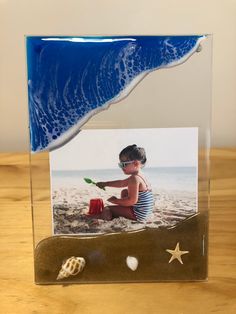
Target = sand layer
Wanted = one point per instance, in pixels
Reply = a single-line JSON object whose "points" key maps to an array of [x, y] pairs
{"points": [[70, 206], [105, 255]]}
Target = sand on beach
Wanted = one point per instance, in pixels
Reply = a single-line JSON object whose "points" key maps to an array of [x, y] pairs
{"points": [[70, 206]]}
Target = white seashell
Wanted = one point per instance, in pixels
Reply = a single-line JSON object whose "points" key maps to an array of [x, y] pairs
{"points": [[199, 48], [71, 267], [132, 262]]}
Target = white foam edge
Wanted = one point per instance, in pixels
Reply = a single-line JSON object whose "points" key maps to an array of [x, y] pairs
{"points": [[74, 130]]}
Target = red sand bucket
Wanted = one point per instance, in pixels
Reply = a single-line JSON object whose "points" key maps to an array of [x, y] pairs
{"points": [[95, 206]]}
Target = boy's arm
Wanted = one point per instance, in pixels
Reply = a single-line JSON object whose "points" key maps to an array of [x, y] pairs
{"points": [[132, 198], [114, 184]]}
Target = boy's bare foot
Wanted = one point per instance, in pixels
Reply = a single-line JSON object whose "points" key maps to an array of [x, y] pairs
{"points": [[106, 214]]}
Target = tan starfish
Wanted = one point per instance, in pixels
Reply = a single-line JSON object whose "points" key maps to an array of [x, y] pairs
{"points": [[176, 254]]}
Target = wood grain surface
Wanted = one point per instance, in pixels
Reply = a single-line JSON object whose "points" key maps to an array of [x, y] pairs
{"points": [[19, 294]]}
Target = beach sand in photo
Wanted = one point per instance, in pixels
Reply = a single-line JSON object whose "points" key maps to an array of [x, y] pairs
{"points": [[71, 206]]}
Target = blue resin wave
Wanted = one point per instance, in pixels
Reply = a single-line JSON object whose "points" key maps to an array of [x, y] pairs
{"points": [[70, 79]]}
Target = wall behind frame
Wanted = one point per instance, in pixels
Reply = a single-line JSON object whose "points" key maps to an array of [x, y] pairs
{"points": [[77, 17]]}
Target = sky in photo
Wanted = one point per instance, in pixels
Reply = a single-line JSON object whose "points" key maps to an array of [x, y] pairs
{"points": [[100, 148]]}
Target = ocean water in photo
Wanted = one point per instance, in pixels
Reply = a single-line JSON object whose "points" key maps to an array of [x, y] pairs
{"points": [[164, 178]]}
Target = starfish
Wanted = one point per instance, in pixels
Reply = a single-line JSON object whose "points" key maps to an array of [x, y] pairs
{"points": [[176, 254]]}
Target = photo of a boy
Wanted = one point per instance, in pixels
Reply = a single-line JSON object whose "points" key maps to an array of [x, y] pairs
{"points": [[136, 201]]}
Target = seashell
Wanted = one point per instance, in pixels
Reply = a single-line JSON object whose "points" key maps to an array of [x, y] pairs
{"points": [[71, 267], [132, 262], [199, 48]]}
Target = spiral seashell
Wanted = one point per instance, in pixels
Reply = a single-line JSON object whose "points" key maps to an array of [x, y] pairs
{"points": [[71, 267]]}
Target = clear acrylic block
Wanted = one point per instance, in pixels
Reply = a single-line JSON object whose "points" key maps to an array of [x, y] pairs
{"points": [[89, 98]]}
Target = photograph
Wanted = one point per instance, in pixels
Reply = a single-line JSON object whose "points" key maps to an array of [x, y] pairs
{"points": [[122, 180]]}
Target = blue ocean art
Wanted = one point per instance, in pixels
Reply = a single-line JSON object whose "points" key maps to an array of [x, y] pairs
{"points": [[70, 79]]}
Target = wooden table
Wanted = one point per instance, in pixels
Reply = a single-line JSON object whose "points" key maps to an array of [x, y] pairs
{"points": [[19, 294]]}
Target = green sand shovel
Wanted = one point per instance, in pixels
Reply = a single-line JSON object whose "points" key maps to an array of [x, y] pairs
{"points": [[89, 181]]}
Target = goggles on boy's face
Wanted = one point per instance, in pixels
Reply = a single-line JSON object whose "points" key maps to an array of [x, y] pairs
{"points": [[123, 164]]}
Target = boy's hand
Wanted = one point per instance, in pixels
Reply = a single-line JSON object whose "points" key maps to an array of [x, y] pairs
{"points": [[112, 199], [101, 185]]}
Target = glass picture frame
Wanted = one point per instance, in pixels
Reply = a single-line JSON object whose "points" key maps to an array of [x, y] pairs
{"points": [[89, 97]]}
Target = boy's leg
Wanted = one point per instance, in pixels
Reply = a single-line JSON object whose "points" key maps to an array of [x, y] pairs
{"points": [[110, 212], [122, 211], [104, 215]]}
